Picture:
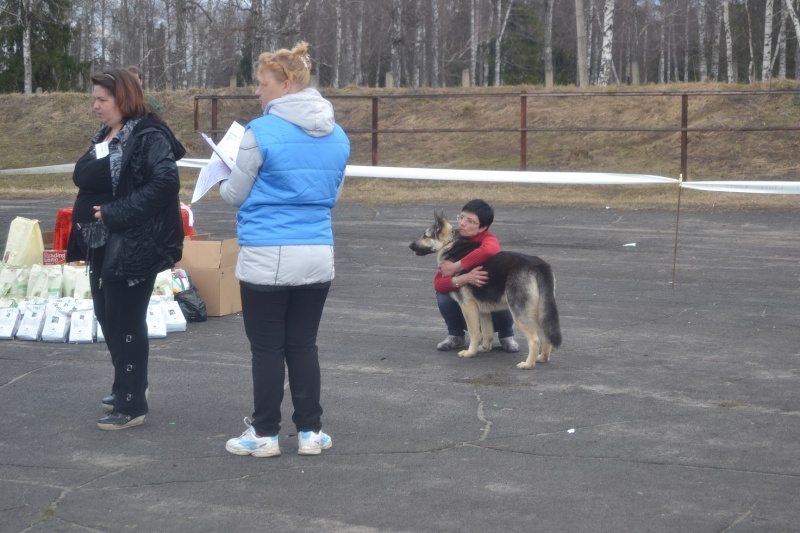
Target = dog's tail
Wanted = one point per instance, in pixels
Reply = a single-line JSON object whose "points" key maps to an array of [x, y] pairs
{"points": [[548, 311]]}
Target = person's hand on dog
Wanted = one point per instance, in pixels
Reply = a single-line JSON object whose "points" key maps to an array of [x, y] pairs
{"points": [[448, 268], [477, 276]]}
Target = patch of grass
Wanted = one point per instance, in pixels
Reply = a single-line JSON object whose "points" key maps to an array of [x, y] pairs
{"points": [[56, 128]]}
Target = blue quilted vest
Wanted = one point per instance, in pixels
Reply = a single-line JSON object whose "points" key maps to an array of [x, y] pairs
{"points": [[291, 200]]}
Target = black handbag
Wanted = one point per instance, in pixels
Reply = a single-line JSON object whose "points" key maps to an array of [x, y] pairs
{"points": [[95, 234]]}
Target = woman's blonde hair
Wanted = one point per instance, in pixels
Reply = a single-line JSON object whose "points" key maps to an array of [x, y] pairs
{"points": [[293, 65]]}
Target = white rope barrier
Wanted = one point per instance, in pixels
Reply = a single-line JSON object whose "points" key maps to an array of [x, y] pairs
{"points": [[504, 176], [49, 169], [759, 187], [501, 176]]}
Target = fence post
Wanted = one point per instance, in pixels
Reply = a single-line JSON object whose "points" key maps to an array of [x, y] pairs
{"points": [[684, 136], [523, 133], [374, 131], [196, 118]]}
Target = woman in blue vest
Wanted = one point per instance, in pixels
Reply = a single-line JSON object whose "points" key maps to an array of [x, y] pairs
{"points": [[287, 177]]}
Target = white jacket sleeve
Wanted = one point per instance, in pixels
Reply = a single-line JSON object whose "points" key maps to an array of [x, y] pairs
{"points": [[236, 189]]}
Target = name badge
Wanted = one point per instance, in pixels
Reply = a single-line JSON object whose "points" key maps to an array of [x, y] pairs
{"points": [[101, 150]]}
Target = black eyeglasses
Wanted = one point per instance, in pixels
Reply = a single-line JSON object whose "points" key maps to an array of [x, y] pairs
{"points": [[467, 220]]}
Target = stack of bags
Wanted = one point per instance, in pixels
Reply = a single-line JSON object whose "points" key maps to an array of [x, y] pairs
{"points": [[53, 304]]}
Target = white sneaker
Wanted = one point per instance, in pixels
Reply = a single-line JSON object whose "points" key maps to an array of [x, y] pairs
{"points": [[451, 342], [311, 443], [509, 345], [250, 443]]}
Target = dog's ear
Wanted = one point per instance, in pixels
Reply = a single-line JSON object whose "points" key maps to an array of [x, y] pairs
{"points": [[439, 218]]}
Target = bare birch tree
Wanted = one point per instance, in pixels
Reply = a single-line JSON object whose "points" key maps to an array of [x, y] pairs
{"points": [[484, 46], [782, 46], [606, 66], [662, 65], [766, 61], [357, 40], [435, 45], [580, 43], [502, 20], [726, 23], [686, 66], [397, 40], [473, 43], [548, 43], [702, 34], [337, 44], [590, 42], [715, 38], [751, 68], [419, 36], [792, 14]]}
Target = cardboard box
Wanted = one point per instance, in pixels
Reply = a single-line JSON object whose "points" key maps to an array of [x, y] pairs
{"points": [[212, 265], [51, 256]]}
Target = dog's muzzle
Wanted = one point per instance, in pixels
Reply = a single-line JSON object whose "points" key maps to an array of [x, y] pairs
{"points": [[419, 250]]}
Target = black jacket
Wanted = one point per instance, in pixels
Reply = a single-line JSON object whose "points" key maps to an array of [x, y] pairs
{"points": [[144, 219]]}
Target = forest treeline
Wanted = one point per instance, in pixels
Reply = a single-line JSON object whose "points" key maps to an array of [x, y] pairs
{"points": [[179, 44]]}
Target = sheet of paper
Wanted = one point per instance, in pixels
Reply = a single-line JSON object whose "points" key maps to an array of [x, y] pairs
{"points": [[228, 147], [211, 174], [221, 162]]}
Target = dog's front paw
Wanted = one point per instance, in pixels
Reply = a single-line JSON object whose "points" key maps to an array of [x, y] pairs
{"points": [[467, 353], [485, 347], [525, 365]]}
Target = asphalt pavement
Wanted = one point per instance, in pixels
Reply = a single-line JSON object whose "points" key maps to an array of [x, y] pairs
{"points": [[667, 408]]}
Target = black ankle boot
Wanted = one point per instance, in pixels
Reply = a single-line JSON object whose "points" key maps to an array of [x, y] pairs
{"points": [[115, 420]]}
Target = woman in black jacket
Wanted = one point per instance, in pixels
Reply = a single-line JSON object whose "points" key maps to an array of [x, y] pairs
{"points": [[127, 224]]}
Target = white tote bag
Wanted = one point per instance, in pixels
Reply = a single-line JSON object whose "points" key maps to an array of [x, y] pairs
{"points": [[14, 282], [44, 281], [156, 327], [83, 324], [173, 317], [83, 290], [56, 324], [32, 323], [9, 322], [24, 245]]}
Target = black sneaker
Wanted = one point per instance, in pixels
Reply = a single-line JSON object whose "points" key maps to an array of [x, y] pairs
{"points": [[114, 420], [107, 403]]}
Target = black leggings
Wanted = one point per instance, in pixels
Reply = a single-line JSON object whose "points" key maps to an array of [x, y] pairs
{"points": [[282, 326], [122, 313]]}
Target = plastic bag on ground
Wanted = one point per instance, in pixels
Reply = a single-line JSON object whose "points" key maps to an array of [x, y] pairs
{"points": [[192, 306]]}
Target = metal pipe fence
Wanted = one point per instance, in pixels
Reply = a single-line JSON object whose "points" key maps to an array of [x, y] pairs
{"points": [[524, 99]]}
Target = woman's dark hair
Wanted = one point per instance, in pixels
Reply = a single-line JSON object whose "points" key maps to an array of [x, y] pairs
{"points": [[125, 89], [482, 210]]}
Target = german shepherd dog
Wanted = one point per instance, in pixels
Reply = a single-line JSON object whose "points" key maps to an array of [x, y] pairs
{"points": [[523, 284]]}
